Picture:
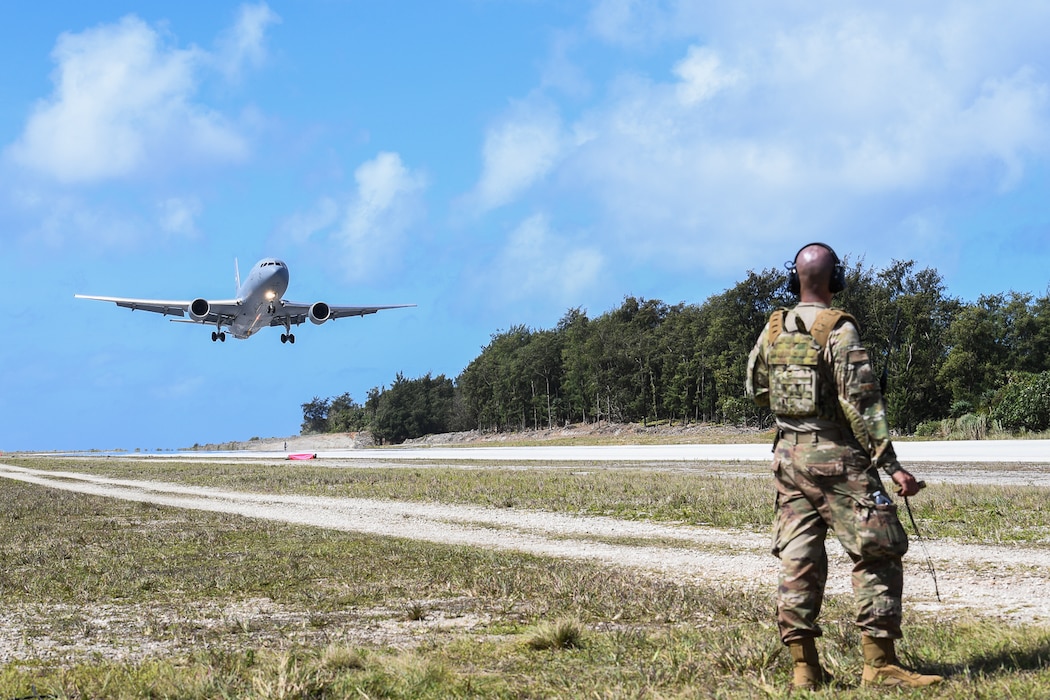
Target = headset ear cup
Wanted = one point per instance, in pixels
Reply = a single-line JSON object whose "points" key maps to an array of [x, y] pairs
{"points": [[794, 286], [838, 279]]}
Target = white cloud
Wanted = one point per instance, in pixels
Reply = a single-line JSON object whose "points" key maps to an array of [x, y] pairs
{"points": [[365, 231], [245, 44], [178, 216], [632, 22], [702, 76], [55, 219], [123, 105], [806, 124], [301, 226], [536, 263], [517, 153], [179, 389], [1007, 122], [560, 73]]}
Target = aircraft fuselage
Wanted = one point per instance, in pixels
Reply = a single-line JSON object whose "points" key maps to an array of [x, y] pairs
{"points": [[260, 296]]}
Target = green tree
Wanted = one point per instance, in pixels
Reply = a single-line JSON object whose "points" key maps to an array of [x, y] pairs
{"points": [[345, 415], [315, 416], [998, 335], [646, 359], [734, 319], [681, 363], [904, 318], [579, 381], [976, 362], [611, 368], [497, 390], [542, 360], [412, 408]]}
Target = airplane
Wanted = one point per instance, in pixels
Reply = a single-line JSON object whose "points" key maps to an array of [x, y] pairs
{"points": [[258, 304]]}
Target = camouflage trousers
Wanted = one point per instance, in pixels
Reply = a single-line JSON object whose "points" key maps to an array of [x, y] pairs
{"points": [[830, 483]]}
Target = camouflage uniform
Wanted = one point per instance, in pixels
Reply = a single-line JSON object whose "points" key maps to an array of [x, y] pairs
{"points": [[825, 468]]}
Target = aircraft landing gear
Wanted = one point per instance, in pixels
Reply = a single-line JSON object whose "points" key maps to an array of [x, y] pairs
{"points": [[287, 338], [220, 336]]}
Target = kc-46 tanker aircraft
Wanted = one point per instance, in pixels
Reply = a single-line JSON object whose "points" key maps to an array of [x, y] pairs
{"points": [[258, 304]]}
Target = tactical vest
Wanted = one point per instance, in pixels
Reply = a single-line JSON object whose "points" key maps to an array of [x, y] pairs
{"points": [[799, 385]]}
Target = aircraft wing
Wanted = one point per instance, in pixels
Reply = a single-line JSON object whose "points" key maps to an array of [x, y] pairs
{"points": [[223, 310], [296, 313]]}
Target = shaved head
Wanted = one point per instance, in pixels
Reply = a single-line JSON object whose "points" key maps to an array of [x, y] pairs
{"points": [[815, 265]]}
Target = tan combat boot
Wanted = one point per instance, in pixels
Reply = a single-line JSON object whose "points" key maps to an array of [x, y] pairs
{"points": [[881, 666], [809, 675]]}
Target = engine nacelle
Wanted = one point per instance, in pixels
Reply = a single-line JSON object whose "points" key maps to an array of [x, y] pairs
{"points": [[199, 309], [319, 312]]}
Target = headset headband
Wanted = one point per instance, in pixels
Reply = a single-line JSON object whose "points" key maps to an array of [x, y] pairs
{"points": [[825, 246]]}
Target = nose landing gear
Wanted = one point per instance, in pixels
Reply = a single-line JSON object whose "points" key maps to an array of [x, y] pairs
{"points": [[218, 335], [287, 338]]}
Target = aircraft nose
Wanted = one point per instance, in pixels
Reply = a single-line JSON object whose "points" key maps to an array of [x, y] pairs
{"points": [[280, 277]]}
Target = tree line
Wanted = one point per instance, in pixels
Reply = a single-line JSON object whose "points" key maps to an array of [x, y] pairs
{"points": [[650, 361]]}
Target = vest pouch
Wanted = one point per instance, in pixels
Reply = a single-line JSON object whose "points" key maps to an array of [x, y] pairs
{"points": [[794, 391]]}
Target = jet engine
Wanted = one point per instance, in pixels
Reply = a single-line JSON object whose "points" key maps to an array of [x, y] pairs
{"points": [[319, 312], [199, 309]]}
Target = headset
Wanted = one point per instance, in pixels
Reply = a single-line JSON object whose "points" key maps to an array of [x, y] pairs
{"points": [[838, 276]]}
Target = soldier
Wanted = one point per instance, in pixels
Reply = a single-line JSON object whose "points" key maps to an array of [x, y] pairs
{"points": [[809, 367]]}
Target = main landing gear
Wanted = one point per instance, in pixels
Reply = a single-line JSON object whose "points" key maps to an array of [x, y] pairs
{"points": [[287, 338], [218, 335]]}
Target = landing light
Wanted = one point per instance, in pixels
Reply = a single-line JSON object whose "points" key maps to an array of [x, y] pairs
{"points": [[270, 295]]}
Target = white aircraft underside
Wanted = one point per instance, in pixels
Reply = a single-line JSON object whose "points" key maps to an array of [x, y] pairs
{"points": [[258, 304]]}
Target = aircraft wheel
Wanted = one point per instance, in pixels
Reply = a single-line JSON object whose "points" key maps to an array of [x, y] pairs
{"points": [[284, 338], [291, 339], [222, 337], [214, 336]]}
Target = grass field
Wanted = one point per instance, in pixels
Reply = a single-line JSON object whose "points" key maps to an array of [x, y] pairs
{"points": [[108, 598]]}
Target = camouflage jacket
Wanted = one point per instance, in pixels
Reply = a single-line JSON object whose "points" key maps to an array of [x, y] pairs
{"points": [[860, 409]]}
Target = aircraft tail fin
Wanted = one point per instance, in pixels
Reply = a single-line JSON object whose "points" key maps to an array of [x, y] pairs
{"points": [[237, 276]]}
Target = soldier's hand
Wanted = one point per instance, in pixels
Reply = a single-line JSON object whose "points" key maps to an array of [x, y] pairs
{"points": [[906, 483]]}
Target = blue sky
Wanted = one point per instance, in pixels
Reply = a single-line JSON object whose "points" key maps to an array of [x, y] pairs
{"points": [[496, 162]]}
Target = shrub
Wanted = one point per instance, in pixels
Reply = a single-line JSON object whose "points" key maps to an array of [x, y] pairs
{"points": [[929, 428], [738, 410], [972, 427], [1024, 403]]}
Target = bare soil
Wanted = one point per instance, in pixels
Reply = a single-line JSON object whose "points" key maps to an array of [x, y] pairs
{"points": [[627, 432]]}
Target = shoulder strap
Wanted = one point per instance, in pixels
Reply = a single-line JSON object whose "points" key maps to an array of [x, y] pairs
{"points": [[826, 322], [776, 325]]}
